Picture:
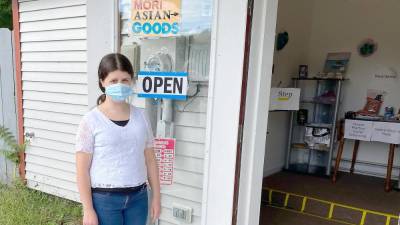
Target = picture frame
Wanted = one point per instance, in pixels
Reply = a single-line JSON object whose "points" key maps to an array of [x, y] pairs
{"points": [[303, 71]]}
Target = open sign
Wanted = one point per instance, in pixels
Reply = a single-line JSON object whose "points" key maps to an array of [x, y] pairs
{"points": [[170, 85]]}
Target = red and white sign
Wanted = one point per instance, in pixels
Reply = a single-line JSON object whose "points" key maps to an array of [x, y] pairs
{"points": [[164, 149]]}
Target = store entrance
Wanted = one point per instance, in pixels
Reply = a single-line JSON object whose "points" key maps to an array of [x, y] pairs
{"points": [[331, 152]]}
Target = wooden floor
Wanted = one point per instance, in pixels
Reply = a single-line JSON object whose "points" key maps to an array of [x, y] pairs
{"points": [[355, 190], [273, 216]]}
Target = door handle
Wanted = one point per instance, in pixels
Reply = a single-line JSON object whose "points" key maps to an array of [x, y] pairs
{"points": [[30, 134]]}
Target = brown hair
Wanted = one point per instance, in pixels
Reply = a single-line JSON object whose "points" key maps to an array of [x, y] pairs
{"points": [[110, 63]]}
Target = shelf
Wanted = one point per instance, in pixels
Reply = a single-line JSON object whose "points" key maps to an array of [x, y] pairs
{"points": [[311, 101], [301, 146], [322, 113], [305, 168], [319, 78], [315, 125]]}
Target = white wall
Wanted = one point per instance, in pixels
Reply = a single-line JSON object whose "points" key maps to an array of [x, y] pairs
{"points": [[295, 18], [55, 90], [341, 25], [319, 27]]}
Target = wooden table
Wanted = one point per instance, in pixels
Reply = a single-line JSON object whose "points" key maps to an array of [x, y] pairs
{"points": [[364, 137]]}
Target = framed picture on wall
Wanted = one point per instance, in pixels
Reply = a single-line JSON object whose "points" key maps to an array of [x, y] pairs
{"points": [[303, 71], [337, 62]]}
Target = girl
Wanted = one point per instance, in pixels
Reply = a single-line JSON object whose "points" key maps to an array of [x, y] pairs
{"points": [[115, 156]]}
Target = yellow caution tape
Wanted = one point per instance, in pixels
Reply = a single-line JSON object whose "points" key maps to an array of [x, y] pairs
{"points": [[331, 208]]}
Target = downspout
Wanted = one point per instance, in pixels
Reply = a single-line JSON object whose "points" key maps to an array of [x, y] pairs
{"points": [[18, 86]]}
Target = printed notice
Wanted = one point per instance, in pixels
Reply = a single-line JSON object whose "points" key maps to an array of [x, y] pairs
{"points": [[164, 149], [386, 132], [358, 130]]}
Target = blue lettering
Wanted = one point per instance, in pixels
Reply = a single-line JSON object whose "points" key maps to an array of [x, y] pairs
{"points": [[175, 28], [136, 27], [157, 28], [147, 28], [166, 28]]}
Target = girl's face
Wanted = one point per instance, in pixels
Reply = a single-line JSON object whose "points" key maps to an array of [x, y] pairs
{"points": [[115, 77]]}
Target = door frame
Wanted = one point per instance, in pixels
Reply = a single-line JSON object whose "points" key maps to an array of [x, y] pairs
{"points": [[256, 109], [225, 87]]}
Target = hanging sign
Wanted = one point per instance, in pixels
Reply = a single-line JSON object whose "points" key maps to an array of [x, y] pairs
{"points": [[155, 17], [164, 149], [169, 85], [386, 132], [358, 130], [284, 99]]}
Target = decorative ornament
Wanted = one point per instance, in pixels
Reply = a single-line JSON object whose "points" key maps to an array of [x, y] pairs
{"points": [[367, 47], [281, 40]]}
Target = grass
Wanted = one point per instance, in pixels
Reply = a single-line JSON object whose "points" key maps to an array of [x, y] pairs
{"points": [[22, 206]]}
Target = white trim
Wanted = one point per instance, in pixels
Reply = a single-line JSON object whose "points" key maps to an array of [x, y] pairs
{"points": [[226, 70], [257, 104], [117, 31], [101, 40]]}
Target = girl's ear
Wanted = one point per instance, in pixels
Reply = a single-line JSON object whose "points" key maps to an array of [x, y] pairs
{"points": [[102, 83]]}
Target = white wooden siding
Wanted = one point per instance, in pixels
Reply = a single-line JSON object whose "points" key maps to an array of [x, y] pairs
{"points": [[190, 130], [55, 90]]}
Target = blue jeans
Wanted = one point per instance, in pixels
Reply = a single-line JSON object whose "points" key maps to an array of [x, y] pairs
{"points": [[121, 208]]}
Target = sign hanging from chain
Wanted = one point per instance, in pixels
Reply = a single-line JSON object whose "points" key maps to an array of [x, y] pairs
{"points": [[167, 85], [152, 18]]}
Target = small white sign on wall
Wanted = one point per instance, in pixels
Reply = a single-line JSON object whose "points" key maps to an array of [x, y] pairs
{"points": [[386, 132], [358, 130], [285, 99]]}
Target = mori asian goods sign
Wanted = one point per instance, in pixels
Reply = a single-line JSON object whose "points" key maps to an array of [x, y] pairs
{"points": [[167, 85], [155, 17]]}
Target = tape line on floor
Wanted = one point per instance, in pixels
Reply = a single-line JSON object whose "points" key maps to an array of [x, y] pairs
{"points": [[332, 206]]}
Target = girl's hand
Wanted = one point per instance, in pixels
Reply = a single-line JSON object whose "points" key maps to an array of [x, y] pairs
{"points": [[90, 217], [155, 209]]}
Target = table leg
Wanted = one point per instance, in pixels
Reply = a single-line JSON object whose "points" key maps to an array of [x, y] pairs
{"points": [[355, 152], [338, 158], [389, 168]]}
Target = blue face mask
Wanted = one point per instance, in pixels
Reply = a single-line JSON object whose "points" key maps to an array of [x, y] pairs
{"points": [[119, 92]]}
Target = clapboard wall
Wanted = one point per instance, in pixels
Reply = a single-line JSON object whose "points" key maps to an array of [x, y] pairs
{"points": [[190, 130], [8, 116], [53, 55]]}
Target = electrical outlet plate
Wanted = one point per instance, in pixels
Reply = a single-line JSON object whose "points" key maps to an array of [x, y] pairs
{"points": [[182, 213]]}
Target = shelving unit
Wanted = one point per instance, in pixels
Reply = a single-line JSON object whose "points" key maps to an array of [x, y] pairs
{"points": [[316, 159]]}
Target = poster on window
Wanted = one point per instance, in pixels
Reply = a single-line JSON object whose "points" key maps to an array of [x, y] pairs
{"points": [[184, 17], [151, 18], [164, 149]]}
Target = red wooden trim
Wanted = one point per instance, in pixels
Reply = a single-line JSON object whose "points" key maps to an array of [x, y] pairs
{"points": [[18, 84], [246, 65]]}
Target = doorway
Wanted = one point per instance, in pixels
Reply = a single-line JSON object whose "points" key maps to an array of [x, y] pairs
{"points": [[300, 153]]}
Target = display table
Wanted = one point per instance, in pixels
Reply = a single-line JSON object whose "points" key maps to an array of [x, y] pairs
{"points": [[363, 130]]}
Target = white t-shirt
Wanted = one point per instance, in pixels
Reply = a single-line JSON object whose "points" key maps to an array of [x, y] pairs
{"points": [[118, 151]]}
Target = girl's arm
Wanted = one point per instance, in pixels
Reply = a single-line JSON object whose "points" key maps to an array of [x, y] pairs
{"points": [[152, 172], [83, 161]]}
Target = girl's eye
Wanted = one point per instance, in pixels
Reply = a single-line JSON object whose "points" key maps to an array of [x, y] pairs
{"points": [[113, 81]]}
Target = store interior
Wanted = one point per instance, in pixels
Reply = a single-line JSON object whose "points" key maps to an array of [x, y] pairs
{"points": [[343, 56]]}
